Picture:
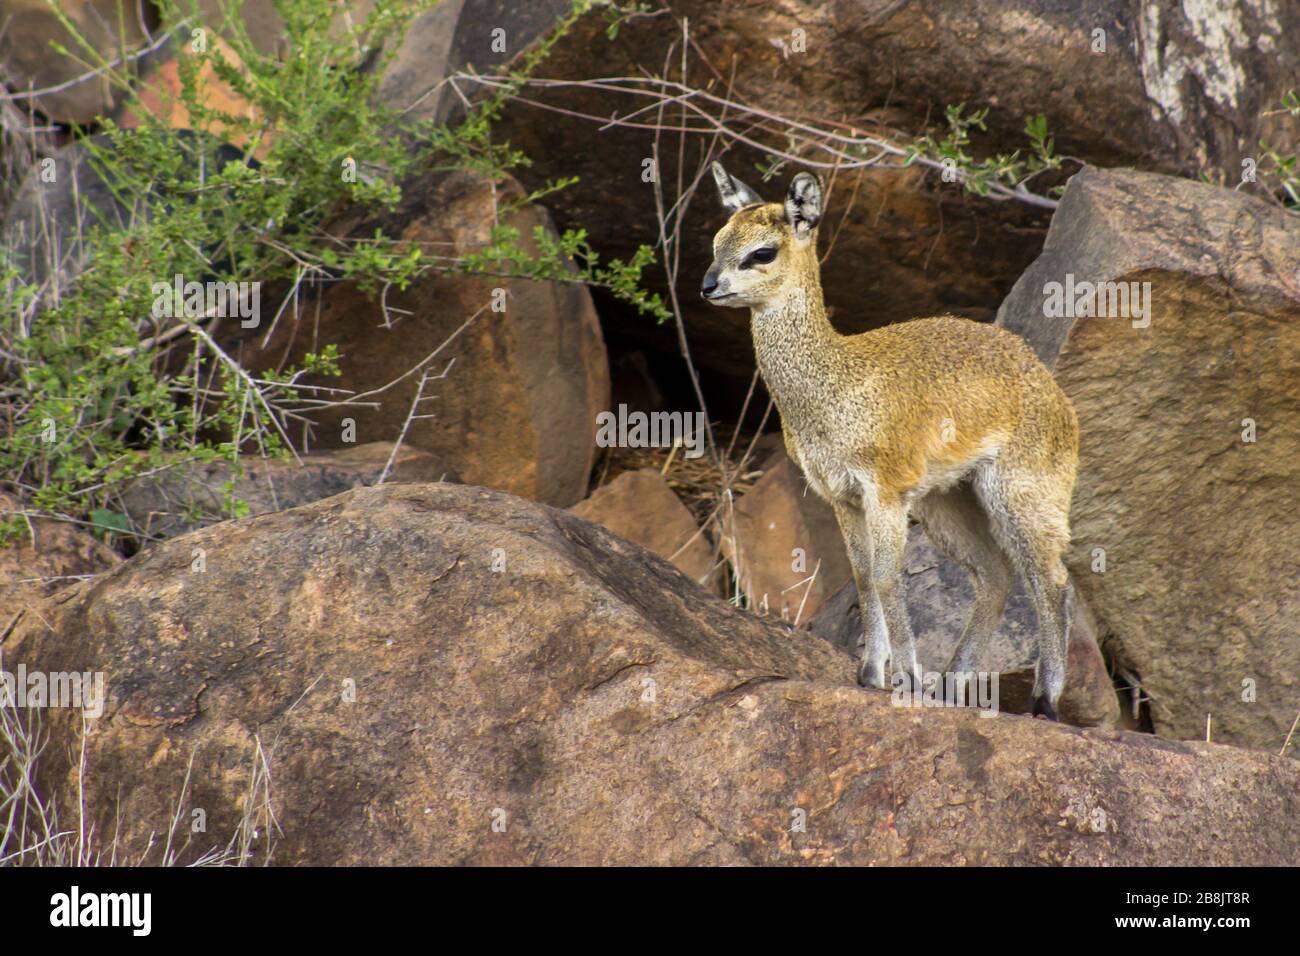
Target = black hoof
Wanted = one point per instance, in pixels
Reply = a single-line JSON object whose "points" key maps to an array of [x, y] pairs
{"points": [[869, 676], [1043, 708]]}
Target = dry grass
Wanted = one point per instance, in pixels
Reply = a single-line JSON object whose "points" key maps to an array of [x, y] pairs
{"points": [[700, 483], [710, 488], [33, 834]]}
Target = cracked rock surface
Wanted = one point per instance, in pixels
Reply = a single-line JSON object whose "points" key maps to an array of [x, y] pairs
{"points": [[444, 674]]}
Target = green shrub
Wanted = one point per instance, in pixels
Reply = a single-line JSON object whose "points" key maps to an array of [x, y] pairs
{"points": [[97, 389]]}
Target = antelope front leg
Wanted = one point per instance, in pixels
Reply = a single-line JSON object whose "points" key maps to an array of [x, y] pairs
{"points": [[887, 528], [857, 541]]}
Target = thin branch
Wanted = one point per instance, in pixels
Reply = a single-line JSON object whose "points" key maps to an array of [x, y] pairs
{"points": [[841, 151], [410, 417], [162, 41]]}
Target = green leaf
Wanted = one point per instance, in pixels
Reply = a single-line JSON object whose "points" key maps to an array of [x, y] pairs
{"points": [[110, 521]]}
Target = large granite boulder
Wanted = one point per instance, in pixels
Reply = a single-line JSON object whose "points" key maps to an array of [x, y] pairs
{"points": [[419, 674], [518, 370], [1184, 370]]}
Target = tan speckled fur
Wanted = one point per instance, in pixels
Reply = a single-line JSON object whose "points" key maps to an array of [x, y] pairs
{"points": [[951, 421]]}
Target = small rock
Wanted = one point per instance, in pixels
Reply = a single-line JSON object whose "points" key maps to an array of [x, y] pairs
{"points": [[61, 553], [524, 381], [639, 506], [782, 532]]}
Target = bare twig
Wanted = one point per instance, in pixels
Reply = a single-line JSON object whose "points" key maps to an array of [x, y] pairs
{"points": [[410, 417], [1287, 743], [820, 143]]}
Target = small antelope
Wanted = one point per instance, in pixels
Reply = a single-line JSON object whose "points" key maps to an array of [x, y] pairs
{"points": [[951, 420]]}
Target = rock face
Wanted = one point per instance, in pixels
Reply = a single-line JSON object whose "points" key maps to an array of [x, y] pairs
{"points": [[781, 534], [259, 18], [160, 91], [46, 557], [1186, 530], [939, 598], [639, 506], [1174, 86], [454, 35], [191, 496], [517, 407], [28, 62], [1180, 87], [45, 227], [892, 226], [584, 703]]}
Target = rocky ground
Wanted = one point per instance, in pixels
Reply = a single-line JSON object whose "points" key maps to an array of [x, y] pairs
{"points": [[483, 638], [436, 673]]}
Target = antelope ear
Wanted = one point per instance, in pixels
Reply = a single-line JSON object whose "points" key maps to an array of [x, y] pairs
{"points": [[803, 204], [733, 193]]}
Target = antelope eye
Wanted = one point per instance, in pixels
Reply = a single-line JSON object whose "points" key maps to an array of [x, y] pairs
{"points": [[762, 256]]}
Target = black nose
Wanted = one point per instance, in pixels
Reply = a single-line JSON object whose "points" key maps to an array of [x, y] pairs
{"points": [[710, 284]]}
